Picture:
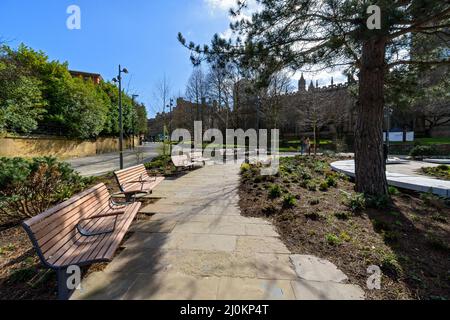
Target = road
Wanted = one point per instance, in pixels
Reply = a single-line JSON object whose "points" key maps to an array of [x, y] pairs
{"points": [[104, 163]]}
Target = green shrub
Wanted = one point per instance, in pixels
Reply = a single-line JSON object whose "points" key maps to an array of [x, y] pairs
{"points": [[323, 186], [391, 266], [311, 185], [332, 239], [421, 151], [29, 187], [355, 201], [393, 191], [313, 215], [342, 215], [344, 236], [378, 202], [274, 191], [304, 174], [245, 167], [289, 201], [331, 181]]}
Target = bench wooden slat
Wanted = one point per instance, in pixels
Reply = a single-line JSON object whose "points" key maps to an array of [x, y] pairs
{"points": [[63, 245], [54, 213], [128, 180], [59, 243]]}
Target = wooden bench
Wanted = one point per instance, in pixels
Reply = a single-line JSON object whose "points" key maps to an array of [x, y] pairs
{"points": [[182, 161], [135, 181], [83, 230], [197, 157]]}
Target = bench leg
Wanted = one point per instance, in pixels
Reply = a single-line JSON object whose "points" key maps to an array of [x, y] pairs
{"points": [[63, 291]]}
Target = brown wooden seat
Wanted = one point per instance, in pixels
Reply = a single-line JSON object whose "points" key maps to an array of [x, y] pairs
{"points": [[182, 161], [135, 180], [83, 230], [197, 157]]}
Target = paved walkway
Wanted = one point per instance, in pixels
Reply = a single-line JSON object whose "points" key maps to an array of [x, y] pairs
{"points": [[105, 163], [404, 176], [198, 246]]}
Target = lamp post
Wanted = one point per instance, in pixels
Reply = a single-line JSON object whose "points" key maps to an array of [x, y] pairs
{"points": [[170, 125], [134, 96], [119, 80]]}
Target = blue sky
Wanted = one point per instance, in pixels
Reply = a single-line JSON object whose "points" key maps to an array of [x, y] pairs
{"points": [[139, 34]]}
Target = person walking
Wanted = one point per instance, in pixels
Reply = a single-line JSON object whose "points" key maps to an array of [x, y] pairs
{"points": [[308, 146], [302, 146]]}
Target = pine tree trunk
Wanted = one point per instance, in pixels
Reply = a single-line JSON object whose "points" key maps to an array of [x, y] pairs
{"points": [[369, 159]]}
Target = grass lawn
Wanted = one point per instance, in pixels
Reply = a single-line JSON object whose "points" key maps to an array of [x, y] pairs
{"points": [[427, 141], [317, 212]]}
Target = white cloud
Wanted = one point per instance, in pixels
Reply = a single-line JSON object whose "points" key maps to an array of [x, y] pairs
{"points": [[224, 6], [220, 5]]}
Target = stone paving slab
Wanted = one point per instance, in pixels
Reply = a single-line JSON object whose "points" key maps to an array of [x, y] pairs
{"points": [[314, 269], [105, 286], [154, 226], [173, 286], [254, 289], [261, 245], [207, 242], [315, 290]]}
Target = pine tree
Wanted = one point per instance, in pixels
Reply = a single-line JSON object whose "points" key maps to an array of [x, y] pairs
{"points": [[321, 34]]}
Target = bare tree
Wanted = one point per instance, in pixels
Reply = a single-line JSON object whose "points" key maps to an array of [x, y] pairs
{"points": [[162, 93], [323, 109], [197, 90], [280, 84]]}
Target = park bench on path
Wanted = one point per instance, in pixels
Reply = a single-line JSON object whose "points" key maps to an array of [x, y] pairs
{"points": [[83, 230], [197, 157], [182, 161], [135, 181]]}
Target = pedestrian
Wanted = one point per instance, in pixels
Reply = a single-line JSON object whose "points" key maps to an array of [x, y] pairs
{"points": [[302, 146], [308, 146]]}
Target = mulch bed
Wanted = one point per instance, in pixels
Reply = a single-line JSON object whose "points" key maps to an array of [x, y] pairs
{"points": [[408, 238]]}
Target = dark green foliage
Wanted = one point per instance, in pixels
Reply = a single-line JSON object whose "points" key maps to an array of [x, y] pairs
{"points": [[343, 215], [355, 201], [421, 151], [289, 201], [393, 191], [274, 191], [29, 187], [378, 202], [323, 186], [36, 92], [331, 181]]}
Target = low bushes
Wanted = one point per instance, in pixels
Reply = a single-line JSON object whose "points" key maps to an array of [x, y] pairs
{"points": [[423, 151], [29, 187], [442, 171]]}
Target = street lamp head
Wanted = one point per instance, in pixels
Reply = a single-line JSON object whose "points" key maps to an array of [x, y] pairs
{"points": [[114, 80], [125, 70]]}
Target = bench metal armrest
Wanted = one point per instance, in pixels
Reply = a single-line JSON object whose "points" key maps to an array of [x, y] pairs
{"points": [[86, 233], [114, 204]]}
